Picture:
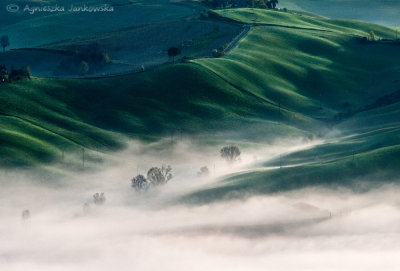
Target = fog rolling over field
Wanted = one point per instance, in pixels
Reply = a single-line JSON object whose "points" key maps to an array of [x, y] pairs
{"points": [[323, 228]]}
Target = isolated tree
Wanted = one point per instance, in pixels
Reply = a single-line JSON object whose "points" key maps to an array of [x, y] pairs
{"points": [[372, 36], [26, 214], [204, 172], [99, 199], [230, 153], [159, 176], [5, 42], [173, 52], [140, 183]]}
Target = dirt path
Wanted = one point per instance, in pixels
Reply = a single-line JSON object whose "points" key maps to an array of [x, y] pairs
{"points": [[246, 29]]}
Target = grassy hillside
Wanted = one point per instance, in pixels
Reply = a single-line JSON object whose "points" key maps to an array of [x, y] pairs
{"points": [[304, 69], [55, 114], [295, 20], [42, 28], [364, 154], [364, 171], [360, 162], [311, 75], [327, 67]]}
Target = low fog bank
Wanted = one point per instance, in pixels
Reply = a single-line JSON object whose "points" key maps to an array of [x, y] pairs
{"points": [[113, 175], [303, 230], [300, 230]]}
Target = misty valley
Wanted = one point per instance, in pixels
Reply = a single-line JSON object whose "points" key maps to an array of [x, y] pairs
{"points": [[202, 135], [69, 226]]}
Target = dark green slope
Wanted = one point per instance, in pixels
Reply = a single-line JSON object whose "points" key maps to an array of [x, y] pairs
{"points": [[40, 117]]}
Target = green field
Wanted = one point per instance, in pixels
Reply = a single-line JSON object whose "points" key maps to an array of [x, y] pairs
{"points": [[291, 75], [43, 28]]}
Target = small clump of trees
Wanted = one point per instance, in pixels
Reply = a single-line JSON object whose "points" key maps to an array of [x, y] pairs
{"points": [[99, 198], [230, 153], [219, 52], [173, 52], [14, 75], [156, 176], [17, 74]]}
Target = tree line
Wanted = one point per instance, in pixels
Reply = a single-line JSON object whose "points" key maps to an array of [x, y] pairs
{"points": [[271, 4]]}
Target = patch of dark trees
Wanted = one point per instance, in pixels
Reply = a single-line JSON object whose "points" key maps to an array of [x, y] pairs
{"points": [[173, 52], [368, 40], [371, 38], [84, 60], [385, 100], [155, 177], [14, 74]]}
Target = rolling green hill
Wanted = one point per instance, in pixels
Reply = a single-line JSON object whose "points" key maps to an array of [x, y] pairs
{"points": [[328, 67], [75, 112], [303, 21], [305, 73], [364, 154]]}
